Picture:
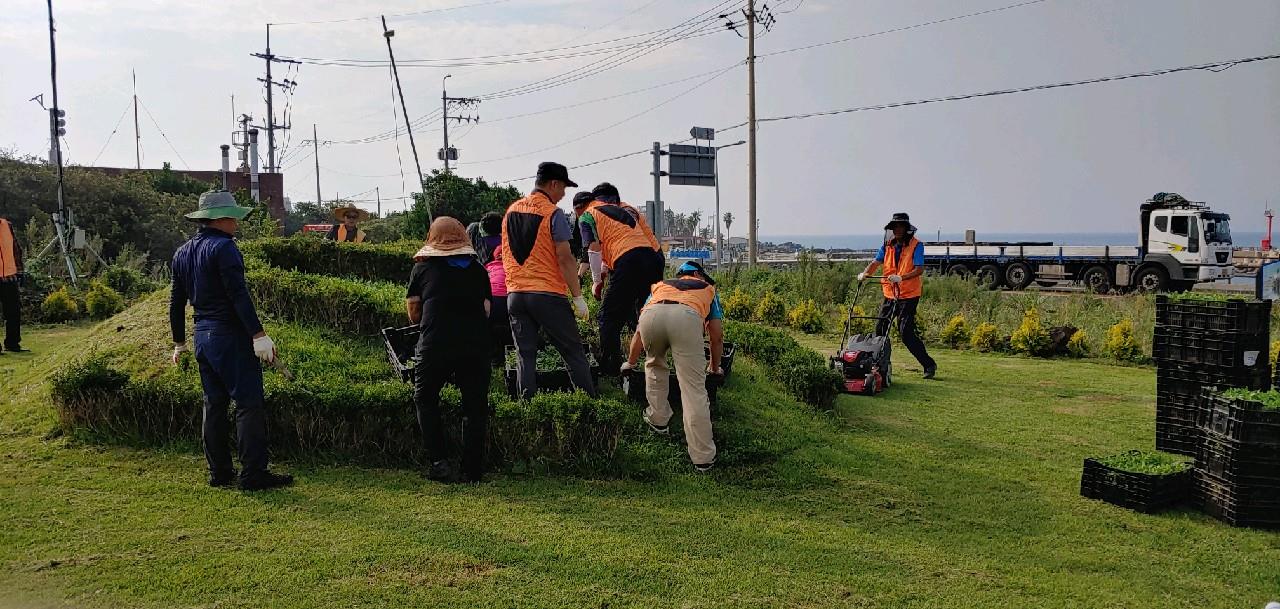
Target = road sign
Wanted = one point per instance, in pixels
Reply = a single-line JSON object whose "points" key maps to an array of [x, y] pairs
{"points": [[692, 165], [693, 254], [702, 133]]}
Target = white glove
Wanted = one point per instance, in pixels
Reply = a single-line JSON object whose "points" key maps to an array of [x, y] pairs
{"points": [[626, 367], [580, 307], [862, 276], [178, 348], [895, 278], [264, 348]]}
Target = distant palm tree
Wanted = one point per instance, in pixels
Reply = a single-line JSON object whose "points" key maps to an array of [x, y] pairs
{"points": [[728, 223]]}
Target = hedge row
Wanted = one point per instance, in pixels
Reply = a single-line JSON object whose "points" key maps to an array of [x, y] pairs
{"points": [[350, 306], [389, 262], [803, 372]]}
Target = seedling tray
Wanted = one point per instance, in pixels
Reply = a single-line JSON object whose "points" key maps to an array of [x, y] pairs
{"points": [[1234, 505], [1146, 493], [1229, 350], [1240, 420], [1182, 377], [1237, 463], [1229, 315], [402, 344], [557, 379], [1180, 439]]}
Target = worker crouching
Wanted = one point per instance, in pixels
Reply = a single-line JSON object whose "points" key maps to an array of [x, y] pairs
{"points": [[672, 320]]}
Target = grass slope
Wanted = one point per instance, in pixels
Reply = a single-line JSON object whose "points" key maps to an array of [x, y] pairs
{"points": [[957, 493]]}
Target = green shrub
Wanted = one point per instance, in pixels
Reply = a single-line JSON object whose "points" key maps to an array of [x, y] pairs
{"points": [[1031, 337], [1154, 463], [1078, 344], [59, 306], [1275, 353], [807, 317], [355, 307], [389, 262], [1120, 343], [956, 332], [102, 302], [803, 372], [861, 324], [737, 305], [770, 310], [986, 337], [128, 281]]}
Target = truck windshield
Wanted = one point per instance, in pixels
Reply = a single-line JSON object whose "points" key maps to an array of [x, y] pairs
{"points": [[1217, 230]]}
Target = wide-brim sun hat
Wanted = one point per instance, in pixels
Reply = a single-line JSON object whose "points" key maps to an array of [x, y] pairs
{"points": [[901, 218], [447, 237], [217, 205], [340, 213]]}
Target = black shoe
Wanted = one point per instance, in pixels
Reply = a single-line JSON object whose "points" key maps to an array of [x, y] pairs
{"points": [[265, 481], [16, 349], [223, 479], [930, 372], [703, 468], [660, 430], [440, 471]]}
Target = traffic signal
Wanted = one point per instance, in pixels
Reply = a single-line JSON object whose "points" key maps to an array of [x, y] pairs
{"points": [[57, 121]]}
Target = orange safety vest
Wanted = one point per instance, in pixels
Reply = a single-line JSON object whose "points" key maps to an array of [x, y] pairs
{"points": [[8, 250], [693, 293], [907, 288], [644, 224], [342, 234], [528, 251], [619, 230]]}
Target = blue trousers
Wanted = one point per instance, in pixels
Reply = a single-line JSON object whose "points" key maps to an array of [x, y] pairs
{"points": [[229, 370]]}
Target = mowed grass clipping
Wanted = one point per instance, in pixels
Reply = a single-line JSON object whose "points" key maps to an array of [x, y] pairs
{"points": [[958, 493]]}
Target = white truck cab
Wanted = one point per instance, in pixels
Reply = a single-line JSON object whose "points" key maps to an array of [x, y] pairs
{"points": [[1191, 242]]}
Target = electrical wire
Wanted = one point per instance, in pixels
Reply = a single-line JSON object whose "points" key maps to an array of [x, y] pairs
{"points": [[162, 134], [113, 133], [409, 14]]}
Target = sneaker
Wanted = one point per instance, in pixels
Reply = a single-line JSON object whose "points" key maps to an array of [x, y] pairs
{"points": [[222, 479], [661, 430], [931, 372], [703, 468], [265, 481], [440, 471]]}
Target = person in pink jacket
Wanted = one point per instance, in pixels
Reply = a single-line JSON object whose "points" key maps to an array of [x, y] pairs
{"points": [[498, 307]]}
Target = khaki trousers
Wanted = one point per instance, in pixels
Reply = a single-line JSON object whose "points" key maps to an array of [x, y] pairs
{"points": [[678, 329]]}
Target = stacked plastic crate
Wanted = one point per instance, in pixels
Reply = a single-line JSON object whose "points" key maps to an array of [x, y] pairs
{"points": [[1204, 343], [1237, 473]]}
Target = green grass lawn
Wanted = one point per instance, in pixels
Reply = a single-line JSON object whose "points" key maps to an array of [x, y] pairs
{"points": [[958, 493]]}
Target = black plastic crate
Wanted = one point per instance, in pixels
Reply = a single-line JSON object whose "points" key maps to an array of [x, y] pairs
{"points": [[1229, 316], [1179, 439], [1240, 420], [401, 344], [1239, 463], [1229, 350], [633, 385], [1177, 415], [1233, 505], [548, 380], [1183, 376], [1145, 493]]}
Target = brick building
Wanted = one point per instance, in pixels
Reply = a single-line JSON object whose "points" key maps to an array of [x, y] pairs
{"points": [[270, 185]]}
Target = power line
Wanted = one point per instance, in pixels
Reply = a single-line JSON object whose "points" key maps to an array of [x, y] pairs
{"points": [[409, 14], [113, 133]]}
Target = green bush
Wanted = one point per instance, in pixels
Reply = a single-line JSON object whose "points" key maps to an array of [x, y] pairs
{"points": [[807, 317], [956, 332], [129, 282], [390, 262], [1078, 344], [1120, 343], [861, 323], [355, 307], [803, 372], [986, 337], [59, 306], [1031, 337], [770, 310], [737, 305], [102, 302]]}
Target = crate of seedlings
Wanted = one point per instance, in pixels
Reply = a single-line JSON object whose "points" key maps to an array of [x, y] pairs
{"points": [[1225, 349], [1239, 506], [1182, 377], [1240, 464], [553, 374], [633, 385], [1244, 416], [1143, 481], [1212, 312], [402, 344]]}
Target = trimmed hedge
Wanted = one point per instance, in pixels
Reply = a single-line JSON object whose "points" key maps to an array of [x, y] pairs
{"points": [[389, 262], [804, 372], [350, 306]]}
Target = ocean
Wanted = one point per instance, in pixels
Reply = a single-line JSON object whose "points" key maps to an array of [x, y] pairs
{"points": [[1240, 239]]}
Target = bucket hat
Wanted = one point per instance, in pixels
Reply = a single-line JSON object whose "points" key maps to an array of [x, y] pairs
{"points": [[901, 217], [216, 205]]}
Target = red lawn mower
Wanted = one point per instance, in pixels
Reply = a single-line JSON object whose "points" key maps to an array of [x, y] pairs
{"points": [[864, 360]]}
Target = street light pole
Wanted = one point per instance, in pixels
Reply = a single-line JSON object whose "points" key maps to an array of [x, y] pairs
{"points": [[719, 241]]}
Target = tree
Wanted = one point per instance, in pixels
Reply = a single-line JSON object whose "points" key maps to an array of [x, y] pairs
{"points": [[728, 222], [452, 195]]}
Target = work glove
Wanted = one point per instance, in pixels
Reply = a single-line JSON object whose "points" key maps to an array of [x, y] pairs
{"points": [[862, 276], [264, 348], [627, 368], [178, 349], [895, 278], [580, 307]]}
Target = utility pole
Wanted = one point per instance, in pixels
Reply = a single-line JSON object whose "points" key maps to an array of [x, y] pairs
{"points": [[271, 125], [315, 152], [61, 224], [751, 131], [137, 137], [404, 111], [658, 218], [447, 154], [378, 194]]}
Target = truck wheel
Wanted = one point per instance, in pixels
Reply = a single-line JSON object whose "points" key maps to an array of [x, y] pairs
{"points": [[959, 270], [989, 276], [1018, 276], [1151, 279], [1096, 279]]}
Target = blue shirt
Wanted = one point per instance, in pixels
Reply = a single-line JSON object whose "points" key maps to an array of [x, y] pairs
{"points": [[208, 272], [917, 258]]}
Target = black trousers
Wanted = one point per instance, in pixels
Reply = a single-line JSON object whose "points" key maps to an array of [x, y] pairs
{"points": [[470, 373], [11, 309], [550, 313], [499, 328], [905, 314], [229, 370], [629, 284]]}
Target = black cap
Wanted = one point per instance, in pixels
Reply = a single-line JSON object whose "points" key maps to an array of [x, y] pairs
{"points": [[695, 268], [903, 218], [555, 171], [582, 198], [605, 189]]}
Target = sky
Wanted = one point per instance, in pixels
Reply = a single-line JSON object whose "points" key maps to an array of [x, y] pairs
{"points": [[1076, 159]]}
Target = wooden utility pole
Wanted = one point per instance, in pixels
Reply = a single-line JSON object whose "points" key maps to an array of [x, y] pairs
{"points": [[751, 132]]}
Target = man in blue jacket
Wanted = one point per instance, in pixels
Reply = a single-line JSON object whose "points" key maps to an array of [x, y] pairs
{"points": [[208, 272]]}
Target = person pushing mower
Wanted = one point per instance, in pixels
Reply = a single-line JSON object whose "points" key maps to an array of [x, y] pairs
{"points": [[902, 257]]}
